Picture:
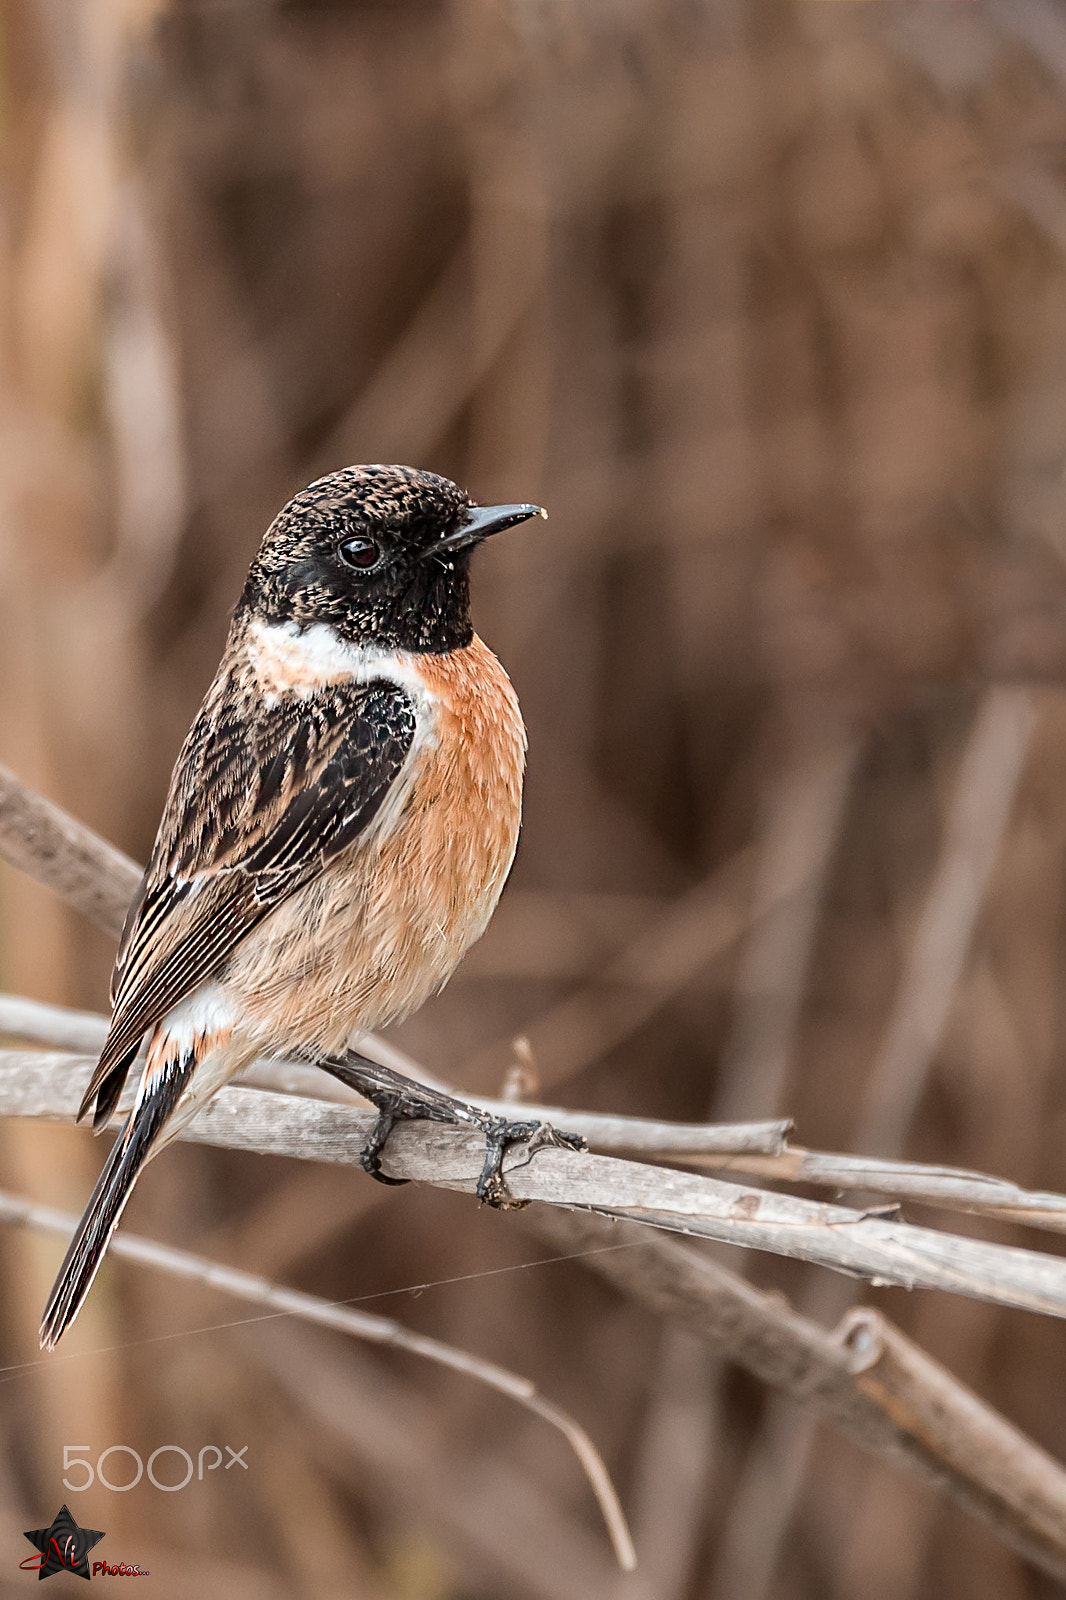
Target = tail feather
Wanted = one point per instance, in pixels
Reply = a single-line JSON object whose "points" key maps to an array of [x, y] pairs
{"points": [[113, 1188], [107, 1092], [105, 1087]]}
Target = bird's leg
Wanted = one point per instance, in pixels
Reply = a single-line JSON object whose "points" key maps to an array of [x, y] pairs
{"points": [[400, 1099], [390, 1109]]}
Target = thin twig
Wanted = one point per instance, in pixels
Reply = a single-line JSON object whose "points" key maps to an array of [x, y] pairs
{"points": [[950, 1188], [38, 1084], [86, 1031], [757, 1331], [50, 845], [757, 1149], [360, 1325], [867, 1378]]}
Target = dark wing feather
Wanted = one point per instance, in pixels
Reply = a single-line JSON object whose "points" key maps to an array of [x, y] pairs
{"points": [[263, 797]]}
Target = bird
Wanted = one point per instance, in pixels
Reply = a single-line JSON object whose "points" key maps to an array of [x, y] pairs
{"points": [[338, 828]]}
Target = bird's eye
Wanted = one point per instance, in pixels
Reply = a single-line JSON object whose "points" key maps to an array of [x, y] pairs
{"points": [[360, 552]]}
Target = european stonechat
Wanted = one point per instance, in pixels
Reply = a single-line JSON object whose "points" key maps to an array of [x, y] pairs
{"points": [[338, 829]]}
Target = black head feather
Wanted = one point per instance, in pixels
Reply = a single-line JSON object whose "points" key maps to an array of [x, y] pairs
{"points": [[359, 550]]}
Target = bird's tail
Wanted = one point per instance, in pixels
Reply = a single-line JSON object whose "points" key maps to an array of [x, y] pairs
{"points": [[114, 1186]]}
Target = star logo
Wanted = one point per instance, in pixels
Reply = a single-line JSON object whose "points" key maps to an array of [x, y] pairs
{"points": [[64, 1547]]}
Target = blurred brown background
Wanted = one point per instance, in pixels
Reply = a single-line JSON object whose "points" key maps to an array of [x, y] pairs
{"points": [[765, 300]]}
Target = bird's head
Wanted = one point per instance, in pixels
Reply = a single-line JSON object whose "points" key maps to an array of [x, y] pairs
{"points": [[381, 554]]}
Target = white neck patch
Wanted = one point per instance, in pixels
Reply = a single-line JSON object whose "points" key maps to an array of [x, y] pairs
{"points": [[290, 660]]}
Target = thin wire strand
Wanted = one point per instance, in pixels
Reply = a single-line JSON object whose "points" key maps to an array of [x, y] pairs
{"points": [[341, 1316], [15, 1369]]}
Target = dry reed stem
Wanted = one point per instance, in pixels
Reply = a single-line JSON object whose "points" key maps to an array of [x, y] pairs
{"points": [[85, 1031], [360, 1325], [48, 844], [867, 1378], [1027, 1506], [886, 1251], [757, 1149]]}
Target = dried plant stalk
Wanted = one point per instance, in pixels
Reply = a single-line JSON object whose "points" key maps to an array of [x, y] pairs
{"points": [[49, 844], [39, 1084], [86, 1031], [867, 1378], [360, 1325], [758, 1149], [896, 1410]]}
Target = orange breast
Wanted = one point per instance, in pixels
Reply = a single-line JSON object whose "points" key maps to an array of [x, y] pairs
{"points": [[385, 927]]}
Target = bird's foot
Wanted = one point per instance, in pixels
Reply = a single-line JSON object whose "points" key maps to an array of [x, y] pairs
{"points": [[400, 1099], [390, 1111], [500, 1134]]}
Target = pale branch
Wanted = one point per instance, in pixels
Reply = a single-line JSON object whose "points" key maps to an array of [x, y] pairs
{"points": [[949, 1188], [708, 1142], [57, 1026], [885, 1251], [360, 1325], [372, 1432], [1018, 1489], [756, 1149], [52, 846], [86, 1030], [867, 1378]]}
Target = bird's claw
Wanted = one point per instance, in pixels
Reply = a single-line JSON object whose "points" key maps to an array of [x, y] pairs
{"points": [[500, 1135], [390, 1112], [400, 1099]]}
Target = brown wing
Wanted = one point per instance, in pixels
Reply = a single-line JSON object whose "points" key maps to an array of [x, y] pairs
{"points": [[263, 797]]}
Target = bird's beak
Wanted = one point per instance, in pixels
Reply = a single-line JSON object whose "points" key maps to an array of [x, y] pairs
{"points": [[479, 522]]}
